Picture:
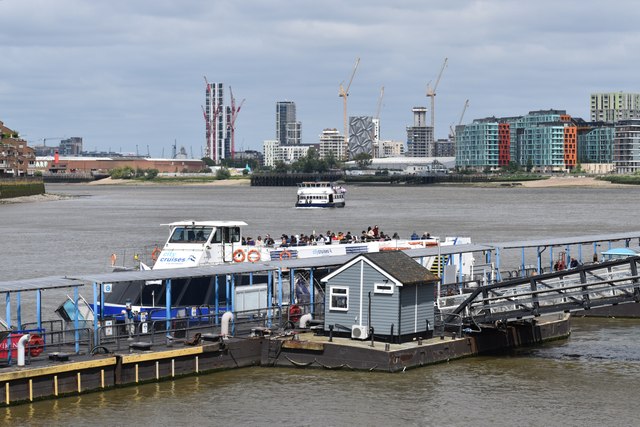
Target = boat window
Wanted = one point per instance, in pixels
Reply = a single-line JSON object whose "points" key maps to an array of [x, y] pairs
{"points": [[231, 234], [190, 234], [217, 237], [178, 235]]}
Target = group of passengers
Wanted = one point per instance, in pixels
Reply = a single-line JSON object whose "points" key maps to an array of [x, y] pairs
{"points": [[371, 234]]}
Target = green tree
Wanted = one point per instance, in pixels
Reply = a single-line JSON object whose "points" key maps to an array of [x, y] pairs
{"points": [[223, 173], [281, 167], [207, 161], [363, 160]]}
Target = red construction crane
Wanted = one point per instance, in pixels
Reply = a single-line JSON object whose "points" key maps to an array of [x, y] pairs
{"points": [[231, 123]]}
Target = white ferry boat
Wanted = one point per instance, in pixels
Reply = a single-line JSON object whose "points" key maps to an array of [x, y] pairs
{"points": [[205, 243], [320, 195], [200, 243]]}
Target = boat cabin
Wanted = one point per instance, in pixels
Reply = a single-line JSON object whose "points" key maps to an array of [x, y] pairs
{"points": [[387, 293], [193, 243]]}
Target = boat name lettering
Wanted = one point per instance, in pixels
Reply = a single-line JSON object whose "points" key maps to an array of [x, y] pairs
{"points": [[322, 251]]}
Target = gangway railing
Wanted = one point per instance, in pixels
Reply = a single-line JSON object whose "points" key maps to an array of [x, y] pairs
{"points": [[580, 288]]}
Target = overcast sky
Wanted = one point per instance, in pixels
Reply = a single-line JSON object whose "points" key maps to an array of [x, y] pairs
{"points": [[127, 73]]}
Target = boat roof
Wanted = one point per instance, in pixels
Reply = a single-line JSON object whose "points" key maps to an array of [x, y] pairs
{"points": [[620, 251], [207, 223]]}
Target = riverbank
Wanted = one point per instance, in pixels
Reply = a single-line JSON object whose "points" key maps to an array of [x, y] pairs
{"points": [[169, 181]]}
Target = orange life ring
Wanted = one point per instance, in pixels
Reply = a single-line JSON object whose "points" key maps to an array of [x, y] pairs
{"points": [[285, 255], [114, 257], [155, 254], [238, 255], [253, 255]]}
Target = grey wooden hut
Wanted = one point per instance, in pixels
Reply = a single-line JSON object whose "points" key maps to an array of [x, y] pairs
{"points": [[387, 291]]}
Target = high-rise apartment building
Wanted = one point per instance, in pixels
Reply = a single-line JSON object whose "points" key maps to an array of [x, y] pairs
{"points": [[288, 129], [477, 144], [595, 142], [216, 115], [626, 146], [615, 106], [420, 136], [331, 144], [71, 146]]}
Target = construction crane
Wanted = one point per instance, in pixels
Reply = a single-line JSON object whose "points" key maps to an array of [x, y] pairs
{"points": [[344, 93], [431, 93], [380, 103], [464, 109], [231, 123]]}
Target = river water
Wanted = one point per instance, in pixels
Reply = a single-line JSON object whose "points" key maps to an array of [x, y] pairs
{"points": [[590, 379]]}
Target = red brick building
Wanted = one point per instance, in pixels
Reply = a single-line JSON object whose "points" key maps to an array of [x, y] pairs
{"points": [[16, 158]]}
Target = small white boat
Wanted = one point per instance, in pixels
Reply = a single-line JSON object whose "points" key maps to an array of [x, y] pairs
{"points": [[321, 194]]}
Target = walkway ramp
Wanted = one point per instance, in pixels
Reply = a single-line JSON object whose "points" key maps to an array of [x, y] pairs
{"points": [[577, 289]]}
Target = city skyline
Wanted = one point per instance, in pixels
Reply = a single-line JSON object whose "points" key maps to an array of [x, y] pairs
{"points": [[128, 75]]}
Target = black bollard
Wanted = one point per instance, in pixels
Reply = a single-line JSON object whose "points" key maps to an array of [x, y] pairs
{"points": [[330, 333]]}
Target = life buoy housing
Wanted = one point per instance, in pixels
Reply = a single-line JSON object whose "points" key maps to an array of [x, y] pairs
{"points": [[114, 258], [238, 255]]}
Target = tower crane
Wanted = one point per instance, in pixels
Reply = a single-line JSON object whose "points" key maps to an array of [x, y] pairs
{"points": [[380, 102], [231, 123], [431, 93], [344, 93], [464, 109]]}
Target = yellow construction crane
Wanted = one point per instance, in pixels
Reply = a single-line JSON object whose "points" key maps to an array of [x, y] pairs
{"points": [[344, 93], [431, 93]]}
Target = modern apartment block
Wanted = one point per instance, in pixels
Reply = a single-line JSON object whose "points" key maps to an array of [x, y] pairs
{"points": [[420, 136], [615, 106], [331, 144], [218, 146], [545, 140], [361, 136], [595, 142], [384, 149], [71, 146], [273, 152], [626, 146], [288, 129], [477, 145]]}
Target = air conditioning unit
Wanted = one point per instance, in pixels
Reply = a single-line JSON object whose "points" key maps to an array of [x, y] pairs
{"points": [[359, 332]]}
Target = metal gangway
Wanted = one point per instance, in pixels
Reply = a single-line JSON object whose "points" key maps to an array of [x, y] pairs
{"points": [[581, 288]]}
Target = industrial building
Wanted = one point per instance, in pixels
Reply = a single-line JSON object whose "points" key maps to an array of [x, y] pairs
{"points": [[361, 136]]}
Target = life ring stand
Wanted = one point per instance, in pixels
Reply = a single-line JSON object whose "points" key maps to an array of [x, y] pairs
{"points": [[238, 255], [155, 254], [114, 258], [253, 255], [286, 254]]}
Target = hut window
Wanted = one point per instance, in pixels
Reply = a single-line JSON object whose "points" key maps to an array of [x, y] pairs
{"points": [[383, 288], [339, 298]]}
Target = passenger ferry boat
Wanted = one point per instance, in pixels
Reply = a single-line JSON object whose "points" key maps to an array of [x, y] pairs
{"points": [[205, 243], [320, 195]]}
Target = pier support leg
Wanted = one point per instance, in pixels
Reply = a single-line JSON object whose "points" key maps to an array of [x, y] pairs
{"points": [[76, 318], [167, 310]]}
